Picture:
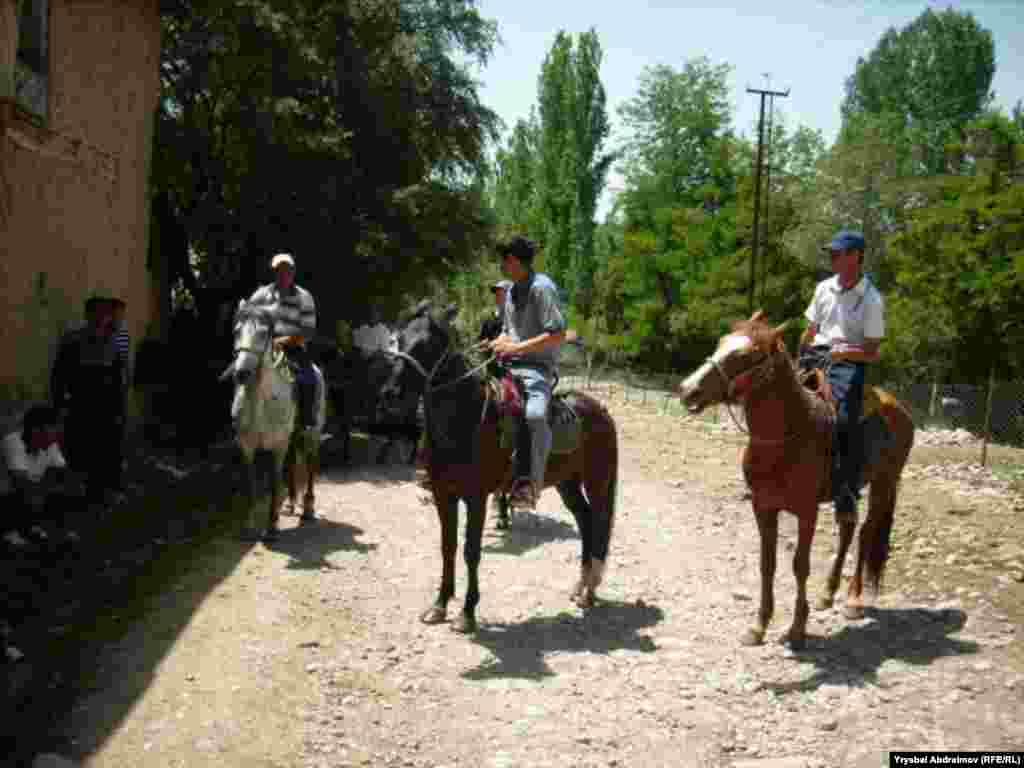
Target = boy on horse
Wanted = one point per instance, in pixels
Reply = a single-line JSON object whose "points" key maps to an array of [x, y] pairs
{"points": [[294, 314], [532, 332], [846, 324]]}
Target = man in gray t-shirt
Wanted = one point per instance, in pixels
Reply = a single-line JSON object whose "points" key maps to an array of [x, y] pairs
{"points": [[532, 333]]}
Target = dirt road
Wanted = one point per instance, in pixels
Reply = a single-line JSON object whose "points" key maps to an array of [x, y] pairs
{"points": [[310, 653]]}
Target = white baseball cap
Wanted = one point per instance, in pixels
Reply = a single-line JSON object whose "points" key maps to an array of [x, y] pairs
{"points": [[282, 258]]}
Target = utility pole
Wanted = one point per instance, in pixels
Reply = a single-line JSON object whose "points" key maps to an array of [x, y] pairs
{"points": [[757, 186], [768, 188]]}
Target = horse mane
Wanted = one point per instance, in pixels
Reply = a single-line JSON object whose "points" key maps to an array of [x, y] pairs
{"points": [[248, 311]]}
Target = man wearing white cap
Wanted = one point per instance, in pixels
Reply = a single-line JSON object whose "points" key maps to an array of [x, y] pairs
{"points": [[294, 314]]}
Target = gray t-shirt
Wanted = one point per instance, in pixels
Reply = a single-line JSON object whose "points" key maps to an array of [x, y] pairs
{"points": [[531, 308]]}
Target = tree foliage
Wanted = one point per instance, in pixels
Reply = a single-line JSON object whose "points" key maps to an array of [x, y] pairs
{"points": [[346, 132], [934, 76]]}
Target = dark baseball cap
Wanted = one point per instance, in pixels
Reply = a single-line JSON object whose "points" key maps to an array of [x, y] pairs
{"points": [[845, 240], [521, 247]]}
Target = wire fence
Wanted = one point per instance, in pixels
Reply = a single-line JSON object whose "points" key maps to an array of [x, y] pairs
{"points": [[979, 415]]}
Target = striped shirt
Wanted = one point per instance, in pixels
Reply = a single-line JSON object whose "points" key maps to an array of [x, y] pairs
{"points": [[294, 313], [123, 344]]}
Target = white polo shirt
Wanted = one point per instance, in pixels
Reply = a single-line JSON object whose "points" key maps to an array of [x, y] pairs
{"points": [[17, 458], [852, 315]]}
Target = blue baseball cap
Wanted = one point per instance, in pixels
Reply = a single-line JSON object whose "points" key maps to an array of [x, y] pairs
{"points": [[846, 240]]}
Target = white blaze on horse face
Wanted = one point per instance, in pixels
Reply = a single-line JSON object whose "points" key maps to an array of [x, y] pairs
{"points": [[734, 342]]}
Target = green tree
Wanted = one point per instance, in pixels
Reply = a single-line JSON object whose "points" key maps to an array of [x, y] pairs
{"points": [[934, 75], [963, 247], [571, 167], [349, 132]]}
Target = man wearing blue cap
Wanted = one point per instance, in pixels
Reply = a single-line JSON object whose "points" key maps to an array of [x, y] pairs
{"points": [[846, 323]]}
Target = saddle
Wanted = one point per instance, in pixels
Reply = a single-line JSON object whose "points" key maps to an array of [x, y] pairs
{"points": [[509, 398], [815, 380]]}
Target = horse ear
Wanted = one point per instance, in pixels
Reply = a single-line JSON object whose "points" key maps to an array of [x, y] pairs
{"points": [[757, 317], [421, 308]]}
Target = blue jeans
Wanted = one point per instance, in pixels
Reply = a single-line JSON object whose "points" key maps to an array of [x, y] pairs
{"points": [[537, 384], [847, 381]]}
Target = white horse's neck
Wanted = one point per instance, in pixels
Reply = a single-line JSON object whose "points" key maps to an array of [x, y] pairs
{"points": [[268, 402]]}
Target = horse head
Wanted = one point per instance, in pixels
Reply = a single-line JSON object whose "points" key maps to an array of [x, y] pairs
{"points": [[743, 361], [424, 340], [252, 340]]}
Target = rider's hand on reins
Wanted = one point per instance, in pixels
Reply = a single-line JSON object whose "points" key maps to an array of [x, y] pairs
{"points": [[503, 345]]}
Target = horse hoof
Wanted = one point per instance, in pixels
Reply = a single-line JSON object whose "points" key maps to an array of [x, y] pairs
{"points": [[434, 615], [853, 612], [752, 637], [823, 603], [585, 599], [465, 624]]}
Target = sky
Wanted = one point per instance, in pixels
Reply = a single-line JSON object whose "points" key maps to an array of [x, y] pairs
{"points": [[809, 48]]}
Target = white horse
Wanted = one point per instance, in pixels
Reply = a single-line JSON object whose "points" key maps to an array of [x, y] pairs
{"points": [[264, 412]]}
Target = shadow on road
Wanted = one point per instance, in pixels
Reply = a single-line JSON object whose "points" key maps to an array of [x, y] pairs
{"points": [[308, 546], [854, 655], [519, 649], [528, 530]]}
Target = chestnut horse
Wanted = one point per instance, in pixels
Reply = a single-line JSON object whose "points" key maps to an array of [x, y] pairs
{"points": [[788, 460], [467, 461]]}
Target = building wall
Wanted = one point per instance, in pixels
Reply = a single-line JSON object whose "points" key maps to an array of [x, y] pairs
{"points": [[74, 202]]}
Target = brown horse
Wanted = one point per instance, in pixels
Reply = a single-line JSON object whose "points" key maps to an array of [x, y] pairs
{"points": [[788, 459], [467, 461]]}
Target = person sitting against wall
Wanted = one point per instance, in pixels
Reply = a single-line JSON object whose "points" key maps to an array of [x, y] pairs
{"points": [[40, 488]]}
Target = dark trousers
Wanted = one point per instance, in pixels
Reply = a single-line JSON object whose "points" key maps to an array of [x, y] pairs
{"points": [[847, 382], [305, 385], [95, 447]]}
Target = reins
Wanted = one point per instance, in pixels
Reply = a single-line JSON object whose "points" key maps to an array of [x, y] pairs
{"points": [[762, 373], [449, 354]]}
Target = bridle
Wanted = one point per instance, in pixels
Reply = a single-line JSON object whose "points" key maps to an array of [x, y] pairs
{"points": [[428, 377], [448, 353], [761, 372], [258, 352]]}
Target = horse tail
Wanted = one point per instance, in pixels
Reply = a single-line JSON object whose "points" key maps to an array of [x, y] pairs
{"points": [[884, 487]]}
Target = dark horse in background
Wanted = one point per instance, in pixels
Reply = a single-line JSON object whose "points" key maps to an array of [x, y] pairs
{"points": [[467, 460], [788, 461], [355, 380]]}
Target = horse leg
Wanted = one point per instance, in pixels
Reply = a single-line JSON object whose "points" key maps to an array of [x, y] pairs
{"points": [[501, 508], [249, 531], [476, 513], [576, 502], [448, 515], [312, 470], [846, 528], [808, 519], [275, 497], [768, 528], [290, 470]]}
